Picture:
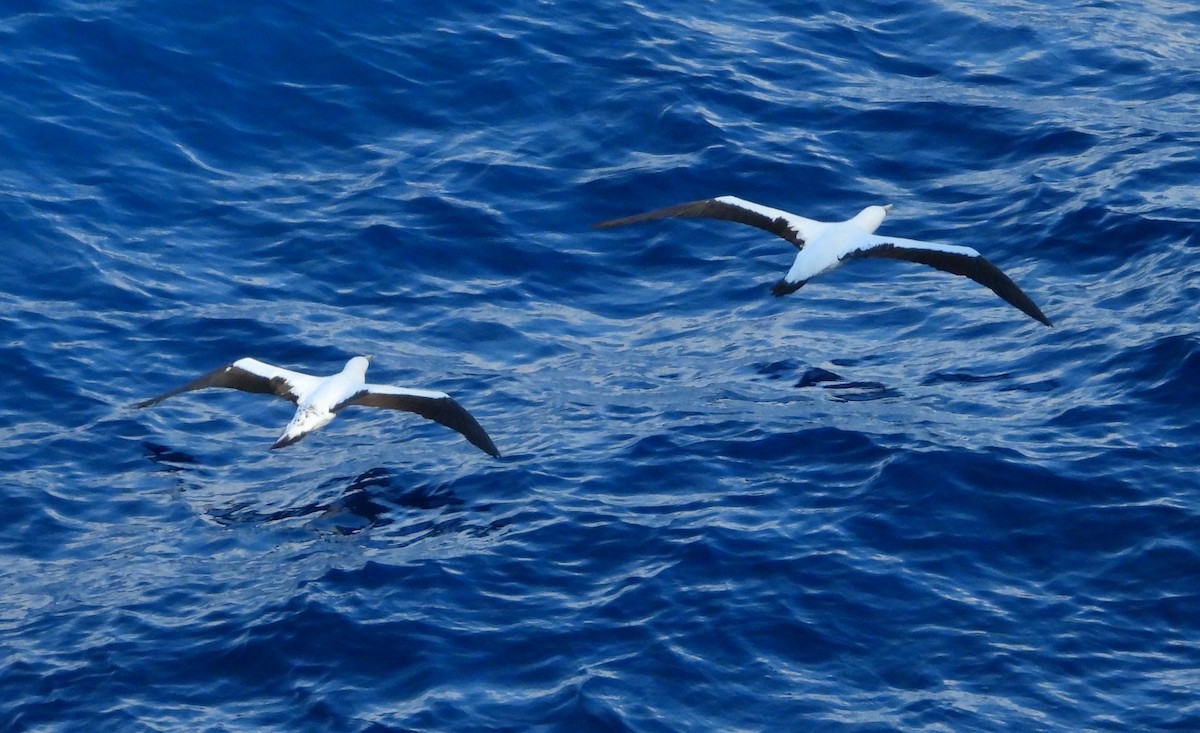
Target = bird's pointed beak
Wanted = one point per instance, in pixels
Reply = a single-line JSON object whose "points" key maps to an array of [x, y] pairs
{"points": [[285, 440], [887, 207]]}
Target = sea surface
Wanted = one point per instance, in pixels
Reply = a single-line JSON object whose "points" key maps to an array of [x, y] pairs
{"points": [[887, 502]]}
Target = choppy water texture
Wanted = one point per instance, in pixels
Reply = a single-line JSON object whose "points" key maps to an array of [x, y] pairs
{"points": [[888, 502]]}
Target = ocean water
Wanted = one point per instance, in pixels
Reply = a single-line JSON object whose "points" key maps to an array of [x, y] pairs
{"points": [[888, 502]]}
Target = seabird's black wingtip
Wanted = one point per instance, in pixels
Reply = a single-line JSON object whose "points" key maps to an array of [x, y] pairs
{"points": [[285, 441], [1037, 314], [783, 287], [610, 223], [1022, 302], [484, 443]]}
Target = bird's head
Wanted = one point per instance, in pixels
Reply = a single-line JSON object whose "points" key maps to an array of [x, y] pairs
{"points": [[871, 217], [359, 364]]}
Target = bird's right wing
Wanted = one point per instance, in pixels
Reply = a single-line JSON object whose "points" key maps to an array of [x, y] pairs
{"points": [[247, 375], [793, 228]]}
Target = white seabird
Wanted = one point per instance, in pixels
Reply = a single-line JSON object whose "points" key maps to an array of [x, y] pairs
{"points": [[319, 399], [826, 245]]}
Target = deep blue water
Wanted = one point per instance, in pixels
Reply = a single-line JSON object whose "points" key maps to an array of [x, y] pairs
{"points": [[888, 502]]}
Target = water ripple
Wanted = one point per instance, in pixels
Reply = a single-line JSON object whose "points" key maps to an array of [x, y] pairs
{"points": [[887, 502]]}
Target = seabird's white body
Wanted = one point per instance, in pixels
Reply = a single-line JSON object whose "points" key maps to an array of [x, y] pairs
{"points": [[319, 399], [827, 244], [824, 246], [315, 405]]}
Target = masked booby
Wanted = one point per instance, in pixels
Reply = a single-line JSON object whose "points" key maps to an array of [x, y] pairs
{"points": [[319, 399], [824, 246]]}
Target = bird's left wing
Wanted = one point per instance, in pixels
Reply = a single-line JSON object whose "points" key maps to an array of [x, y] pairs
{"points": [[429, 404], [963, 261]]}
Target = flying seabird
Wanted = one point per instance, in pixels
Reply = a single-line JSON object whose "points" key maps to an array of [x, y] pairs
{"points": [[319, 399], [825, 245]]}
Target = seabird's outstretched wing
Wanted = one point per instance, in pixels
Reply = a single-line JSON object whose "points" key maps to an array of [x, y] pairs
{"points": [[963, 261], [436, 406], [795, 229], [247, 375]]}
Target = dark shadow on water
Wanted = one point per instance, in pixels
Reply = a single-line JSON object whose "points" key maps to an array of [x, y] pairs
{"points": [[371, 500], [944, 377], [842, 390], [861, 391], [777, 369], [816, 375], [169, 460], [1042, 385]]}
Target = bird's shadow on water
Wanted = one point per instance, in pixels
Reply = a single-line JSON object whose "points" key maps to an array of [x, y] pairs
{"points": [[373, 499], [840, 389], [168, 459]]}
